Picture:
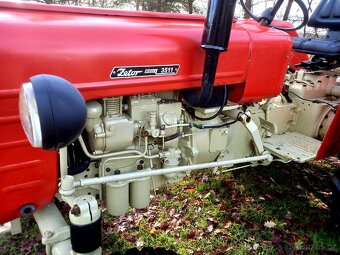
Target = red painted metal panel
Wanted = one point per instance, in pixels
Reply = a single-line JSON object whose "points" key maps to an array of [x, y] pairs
{"points": [[268, 60], [295, 57], [83, 45], [27, 176]]}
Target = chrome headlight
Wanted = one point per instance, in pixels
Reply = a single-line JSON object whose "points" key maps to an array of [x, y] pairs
{"points": [[29, 115]]}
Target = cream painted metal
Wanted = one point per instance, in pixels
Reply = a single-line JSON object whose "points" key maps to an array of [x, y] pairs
{"points": [[249, 124], [333, 91], [117, 198], [156, 116], [140, 193], [125, 166], [5, 228], [54, 230], [89, 211], [115, 155], [266, 157], [14, 227], [292, 146], [313, 86], [63, 161]]}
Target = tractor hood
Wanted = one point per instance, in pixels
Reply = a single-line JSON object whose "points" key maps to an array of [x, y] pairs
{"points": [[84, 45]]}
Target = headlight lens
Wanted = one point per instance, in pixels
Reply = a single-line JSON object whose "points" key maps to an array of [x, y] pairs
{"points": [[29, 115]]}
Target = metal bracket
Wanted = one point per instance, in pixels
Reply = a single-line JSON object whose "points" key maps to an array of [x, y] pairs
{"points": [[50, 237], [249, 124]]}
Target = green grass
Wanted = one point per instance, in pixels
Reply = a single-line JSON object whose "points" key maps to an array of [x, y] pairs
{"points": [[223, 214]]}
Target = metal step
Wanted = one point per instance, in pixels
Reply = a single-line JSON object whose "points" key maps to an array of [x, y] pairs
{"points": [[292, 146]]}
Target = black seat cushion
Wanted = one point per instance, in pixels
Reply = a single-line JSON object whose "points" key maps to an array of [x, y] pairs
{"points": [[320, 47]]}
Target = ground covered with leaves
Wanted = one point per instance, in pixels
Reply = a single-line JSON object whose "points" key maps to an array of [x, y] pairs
{"points": [[278, 209]]}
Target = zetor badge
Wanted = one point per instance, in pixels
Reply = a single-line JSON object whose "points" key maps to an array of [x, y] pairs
{"points": [[143, 71]]}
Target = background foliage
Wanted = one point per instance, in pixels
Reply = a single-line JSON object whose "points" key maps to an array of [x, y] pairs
{"points": [[289, 10]]}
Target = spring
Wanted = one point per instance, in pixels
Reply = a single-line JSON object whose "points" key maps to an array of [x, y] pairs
{"points": [[112, 106]]}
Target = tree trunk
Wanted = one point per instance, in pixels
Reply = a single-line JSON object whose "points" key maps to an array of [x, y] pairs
{"points": [[159, 6], [165, 6], [249, 5], [309, 7], [190, 6], [289, 7]]}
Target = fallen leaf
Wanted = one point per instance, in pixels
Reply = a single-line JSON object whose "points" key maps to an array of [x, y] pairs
{"points": [[249, 199], [205, 178], [172, 212], [207, 195], [268, 196], [288, 215], [164, 226], [218, 231], [269, 224], [227, 224], [189, 251], [276, 239], [256, 246], [139, 243], [191, 235]]}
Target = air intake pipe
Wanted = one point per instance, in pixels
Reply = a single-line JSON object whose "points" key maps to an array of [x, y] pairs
{"points": [[215, 40]]}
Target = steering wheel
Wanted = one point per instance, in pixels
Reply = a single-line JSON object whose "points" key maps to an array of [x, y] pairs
{"points": [[268, 15]]}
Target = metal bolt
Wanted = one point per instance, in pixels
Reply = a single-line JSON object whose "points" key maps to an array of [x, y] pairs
{"points": [[75, 210], [108, 169], [139, 167], [48, 234]]}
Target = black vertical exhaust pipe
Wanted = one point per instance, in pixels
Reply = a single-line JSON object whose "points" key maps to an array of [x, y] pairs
{"points": [[215, 40]]}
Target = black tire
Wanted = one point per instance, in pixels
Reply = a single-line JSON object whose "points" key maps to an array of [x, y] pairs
{"points": [[334, 200]]}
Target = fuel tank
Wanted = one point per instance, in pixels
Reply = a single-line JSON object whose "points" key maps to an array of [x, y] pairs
{"points": [[86, 46]]}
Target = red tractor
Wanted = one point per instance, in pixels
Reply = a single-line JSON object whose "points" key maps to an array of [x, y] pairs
{"points": [[124, 101]]}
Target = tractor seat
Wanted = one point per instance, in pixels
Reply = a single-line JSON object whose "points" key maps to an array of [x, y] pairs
{"points": [[321, 47], [326, 15]]}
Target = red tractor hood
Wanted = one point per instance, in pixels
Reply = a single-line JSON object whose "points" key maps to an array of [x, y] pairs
{"points": [[83, 45]]}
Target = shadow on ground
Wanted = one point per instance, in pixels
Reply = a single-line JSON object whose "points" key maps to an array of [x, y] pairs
{"points": [[277, 209]]}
